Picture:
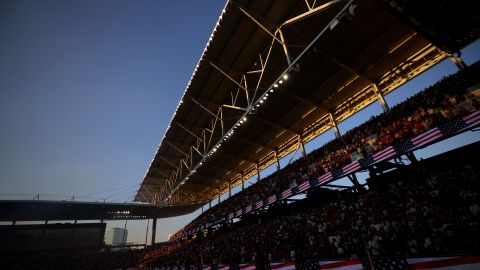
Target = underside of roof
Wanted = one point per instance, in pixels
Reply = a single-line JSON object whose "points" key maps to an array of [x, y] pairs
{"points": [[275, 75]]}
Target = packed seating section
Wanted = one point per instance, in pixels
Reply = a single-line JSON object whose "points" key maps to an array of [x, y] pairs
{"points": [[428, 208], [440, 103]]}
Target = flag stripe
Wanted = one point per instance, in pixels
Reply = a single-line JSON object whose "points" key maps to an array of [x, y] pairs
{"points": [[325, 178], [223, 267], [472, 117], [248, 266], [433, 263], [304, 186], [351, 167], [349, 264], [384, 154], [284, 266], [427, 137]]}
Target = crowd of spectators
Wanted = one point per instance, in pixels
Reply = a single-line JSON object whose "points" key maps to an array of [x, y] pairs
{"points": [[424, 209], [437, 104]]}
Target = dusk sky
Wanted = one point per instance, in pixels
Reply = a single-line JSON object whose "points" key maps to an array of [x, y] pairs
{"points": [[87, 89]]}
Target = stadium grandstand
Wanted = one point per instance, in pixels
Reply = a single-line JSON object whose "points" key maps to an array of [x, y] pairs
{"points": [[274, 76]]}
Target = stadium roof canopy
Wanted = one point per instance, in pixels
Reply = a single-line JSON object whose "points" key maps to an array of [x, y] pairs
{"points": [[273, 76]]}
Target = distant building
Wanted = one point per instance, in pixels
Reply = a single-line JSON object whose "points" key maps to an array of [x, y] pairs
{"points": [[116, 236]]}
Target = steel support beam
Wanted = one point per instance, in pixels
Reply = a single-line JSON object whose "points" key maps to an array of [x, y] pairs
{"points": [[381, 98], [356, 184], [247, 141], [311, 11], [277, 161], [154, 231], [300, 141], [458, 61], [334, 126], [287, 129], [214, 65], [243, 182]]}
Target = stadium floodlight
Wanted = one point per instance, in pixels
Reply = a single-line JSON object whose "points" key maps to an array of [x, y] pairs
{"points": [[280, 82], [271, 90], [244, 118], [275, 85], [261, 101], [285, 77], [265, 97]]}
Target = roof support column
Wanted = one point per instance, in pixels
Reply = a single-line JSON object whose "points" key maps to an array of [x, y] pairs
{"points": [[243, 182], [229, 190], [154, 230], [258, 172], [277, 161], [218, 195], [209, 204], [356, 184], [300, 141], [458, 61], [334, 126], [381, 99]]}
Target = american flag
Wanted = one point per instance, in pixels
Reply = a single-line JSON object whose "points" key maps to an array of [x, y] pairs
{"points": [[248, 208], [259, 204], [472, 119], [342, 265], [446, 263], [239, 212], [282, 266], [247, 266], [451, 127], [206, 267], [272, 199], [286, 193], [426, 137], [325, 178], [366, 161], [383, 154], [308, 265], [389, 263], [223, 267], [403, 146], [352, 167], [231, 215], [336, 172], [304, 186]]}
